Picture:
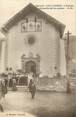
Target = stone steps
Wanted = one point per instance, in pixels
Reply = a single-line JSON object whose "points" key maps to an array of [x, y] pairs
{"points": [[20, 88]]}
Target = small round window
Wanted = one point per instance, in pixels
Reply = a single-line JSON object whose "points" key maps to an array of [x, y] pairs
{"points": [[31, 40]]}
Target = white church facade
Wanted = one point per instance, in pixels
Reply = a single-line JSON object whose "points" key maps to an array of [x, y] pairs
{"points": [[32, 42]]}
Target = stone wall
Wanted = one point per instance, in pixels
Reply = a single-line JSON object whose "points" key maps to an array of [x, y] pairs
{"points": [[73, 84], [52, 84]]}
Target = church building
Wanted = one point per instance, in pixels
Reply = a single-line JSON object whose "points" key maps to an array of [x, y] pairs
{"points": [[32, 42]]}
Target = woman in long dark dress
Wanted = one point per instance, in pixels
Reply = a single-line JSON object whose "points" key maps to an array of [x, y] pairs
{"points": [[3, 88], [1, 107]]}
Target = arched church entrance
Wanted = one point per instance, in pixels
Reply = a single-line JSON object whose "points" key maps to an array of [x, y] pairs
{"points": [[30, 66]]}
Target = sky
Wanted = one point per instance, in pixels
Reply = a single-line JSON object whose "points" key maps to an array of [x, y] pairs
{"points": [[9, 8]]}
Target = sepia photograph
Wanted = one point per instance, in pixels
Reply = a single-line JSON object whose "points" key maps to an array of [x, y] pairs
{"points": [[38, 58]]}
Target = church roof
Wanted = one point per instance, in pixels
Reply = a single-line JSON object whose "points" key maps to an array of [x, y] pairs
{"points": [[25, 11], [2, 36]]}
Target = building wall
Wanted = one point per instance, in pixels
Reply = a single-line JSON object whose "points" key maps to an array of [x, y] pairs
{"points": [[2, 55], [47, 46]]}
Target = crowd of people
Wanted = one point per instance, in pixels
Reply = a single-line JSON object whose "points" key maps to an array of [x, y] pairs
{"points": [[5, 83]]}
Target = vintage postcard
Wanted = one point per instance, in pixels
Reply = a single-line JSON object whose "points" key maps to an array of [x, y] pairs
{"points": [[37, 58]]}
